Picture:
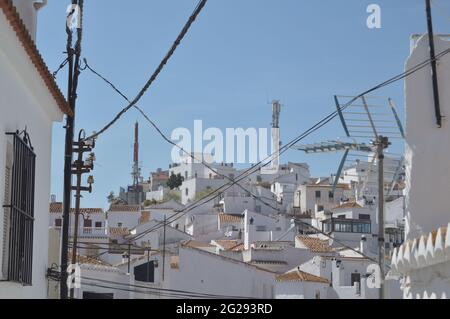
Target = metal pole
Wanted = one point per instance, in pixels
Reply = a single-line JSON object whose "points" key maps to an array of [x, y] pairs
{"points": [[437, 107], [129, 257], [148, 264], [164, 248], [381, 143]]}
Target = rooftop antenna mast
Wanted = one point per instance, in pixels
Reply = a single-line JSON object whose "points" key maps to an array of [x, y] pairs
{"points": [[136, 173], [276, 110], [370, 119]]}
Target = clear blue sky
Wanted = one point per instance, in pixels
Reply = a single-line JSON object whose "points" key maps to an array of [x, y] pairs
{"points": [[238, 55]]}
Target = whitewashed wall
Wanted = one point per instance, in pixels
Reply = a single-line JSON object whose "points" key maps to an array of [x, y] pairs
{"points": [[196, 185], [305, 197], [300, 290], [26, 102], [128, 219], [427, 146], [209, 273]]}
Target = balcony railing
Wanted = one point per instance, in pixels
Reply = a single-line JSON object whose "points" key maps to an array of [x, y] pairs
{"points": [[87, 231], [94, 231], [342, 225], [298, 213]]}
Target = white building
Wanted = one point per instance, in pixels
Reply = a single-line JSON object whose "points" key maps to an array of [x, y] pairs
{"points": [[95, 279], [164, 210], [30, 103], [363, 176], [193, 186], [424, 259], [151, 234], [124, 216], [288, 180], [297, 284], [237, 199], [204, 227], [201, 271], [258, 227], [99, 280], [189, 168], [231, 226], [91, 221], [317, 196], [158, 194]]}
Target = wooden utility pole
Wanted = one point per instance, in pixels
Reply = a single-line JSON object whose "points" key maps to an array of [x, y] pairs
{"points": [[81, 167], [129, 258], [70, 127], [164, 248], [437, 106]]}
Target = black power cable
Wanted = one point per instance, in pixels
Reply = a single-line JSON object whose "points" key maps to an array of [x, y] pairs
{"points": [[168, 140], [158, 70], [283, 149]]}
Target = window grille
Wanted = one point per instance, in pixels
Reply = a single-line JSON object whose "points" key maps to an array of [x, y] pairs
{"points": [[20, 208]]}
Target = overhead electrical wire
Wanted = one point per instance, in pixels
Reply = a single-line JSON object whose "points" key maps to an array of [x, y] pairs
{"points": [[148, 293], [246, 173], [170, 53], [61, 66], [314, 128], [283, 149], [250, 171], [166, 290], [158, 70], [168, 140]]}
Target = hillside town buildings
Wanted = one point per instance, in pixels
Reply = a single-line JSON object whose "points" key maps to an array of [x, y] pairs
{"points": [[278, 233]]}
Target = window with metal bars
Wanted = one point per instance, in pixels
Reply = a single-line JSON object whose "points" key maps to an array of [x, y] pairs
{"points": [[19, 207]]}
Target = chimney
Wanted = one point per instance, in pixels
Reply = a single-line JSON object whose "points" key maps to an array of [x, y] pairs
{"points": [[363, 245], [53, 198], [28, 10]]}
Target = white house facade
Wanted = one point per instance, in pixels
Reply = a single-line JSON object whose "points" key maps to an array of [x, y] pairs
{"points": [[30, 102], [424, 259]]}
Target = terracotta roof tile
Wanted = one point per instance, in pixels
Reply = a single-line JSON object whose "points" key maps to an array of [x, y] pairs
{"points": [[119, 231], [268, 262], [28, 44], [239, 247], [197, 244], [225, 218], [57, 208], [228, 244], [145, 217], [86, 260], [298, 275], [343, 186], [125, 208], [175, 262], [349, 205], [315, 245]]}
